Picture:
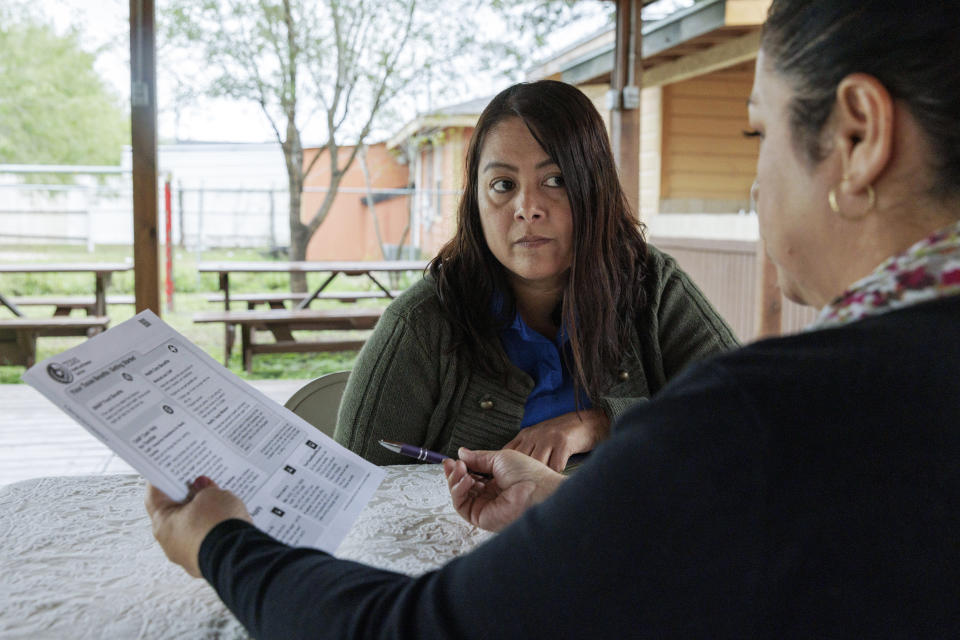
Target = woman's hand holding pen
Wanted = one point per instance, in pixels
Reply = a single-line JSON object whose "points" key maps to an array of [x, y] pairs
{"points": [[553, 441], [518, 483]]}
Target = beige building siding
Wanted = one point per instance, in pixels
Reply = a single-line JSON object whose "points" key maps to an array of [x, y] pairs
{"points": [[707, 163], [454, 159], [651, 117], [748, 12], [441, 169], [598, 96]]}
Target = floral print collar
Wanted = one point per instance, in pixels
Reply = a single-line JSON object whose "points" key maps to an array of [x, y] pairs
{"points": [[929, 269]]}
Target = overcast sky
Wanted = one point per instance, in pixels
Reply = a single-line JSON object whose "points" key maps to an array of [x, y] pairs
{"points": [[104, 25]]}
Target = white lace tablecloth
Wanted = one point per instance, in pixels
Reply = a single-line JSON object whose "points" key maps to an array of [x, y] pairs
{"points": [[78, 560]]}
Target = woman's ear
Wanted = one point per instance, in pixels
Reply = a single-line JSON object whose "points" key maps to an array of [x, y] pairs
{"points": [[864, 119]]}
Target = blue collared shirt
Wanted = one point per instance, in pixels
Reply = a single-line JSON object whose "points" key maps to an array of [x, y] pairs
{"points": [[542, 359]]}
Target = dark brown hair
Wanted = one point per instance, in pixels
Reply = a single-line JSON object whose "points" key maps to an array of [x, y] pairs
{"points": [[910, 47], [603, 292]]}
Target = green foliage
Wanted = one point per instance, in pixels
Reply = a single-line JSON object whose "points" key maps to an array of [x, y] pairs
{"points": [[54, 108]]}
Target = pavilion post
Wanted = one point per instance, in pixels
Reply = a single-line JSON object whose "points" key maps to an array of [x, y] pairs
{"points": [[769, 301], [623, 99], [143, 117]]}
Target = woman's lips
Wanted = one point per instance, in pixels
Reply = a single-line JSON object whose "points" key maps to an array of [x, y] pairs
{"points": [[531, 242]]}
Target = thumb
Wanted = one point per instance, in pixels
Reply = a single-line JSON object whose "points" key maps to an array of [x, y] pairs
{"points": [[477, 460], [156, 500]]}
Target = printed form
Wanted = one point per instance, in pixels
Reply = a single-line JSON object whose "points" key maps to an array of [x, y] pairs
{"points": [[174, 413]]}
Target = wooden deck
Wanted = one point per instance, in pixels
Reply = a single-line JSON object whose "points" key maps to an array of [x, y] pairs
{"points": [[37, 439]]}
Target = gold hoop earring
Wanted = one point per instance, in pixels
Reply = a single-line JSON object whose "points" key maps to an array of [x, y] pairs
{"points": [[835, 206]]}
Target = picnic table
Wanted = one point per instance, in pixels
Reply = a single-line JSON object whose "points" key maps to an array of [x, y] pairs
{"points": [[334, 268], [18, 335], [102, 272], [281, 321]]}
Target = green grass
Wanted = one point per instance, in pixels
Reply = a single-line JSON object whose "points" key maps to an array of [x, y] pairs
{"points": [[191, 292]]}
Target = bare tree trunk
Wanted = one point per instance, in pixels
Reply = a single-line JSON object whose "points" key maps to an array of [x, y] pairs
{"points": [[299, 232], [299, 237]]}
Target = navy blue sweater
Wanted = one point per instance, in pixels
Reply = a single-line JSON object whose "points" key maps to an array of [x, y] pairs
{"points": [[801, 487]]}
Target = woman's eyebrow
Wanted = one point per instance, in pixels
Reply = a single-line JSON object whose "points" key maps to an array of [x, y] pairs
{"points": [[499, 165], [493, 164]]}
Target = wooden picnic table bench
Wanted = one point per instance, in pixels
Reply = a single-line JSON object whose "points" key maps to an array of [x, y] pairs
{"points": [[63, 305], [282, 322], [18, 336], [279, 300]]}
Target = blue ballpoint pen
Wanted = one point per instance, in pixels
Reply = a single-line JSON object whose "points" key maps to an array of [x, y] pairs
{"points": [[424, 455]]}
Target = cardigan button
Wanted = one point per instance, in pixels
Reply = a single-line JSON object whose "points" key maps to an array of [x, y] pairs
{"points": [[486, 403], [624, 375]]}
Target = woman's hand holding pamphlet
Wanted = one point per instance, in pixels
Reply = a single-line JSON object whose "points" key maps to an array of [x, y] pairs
{"points": [[173, 413]]}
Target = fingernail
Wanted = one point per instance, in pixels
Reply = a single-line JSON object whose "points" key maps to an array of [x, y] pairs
{"points": [[202, 482]]}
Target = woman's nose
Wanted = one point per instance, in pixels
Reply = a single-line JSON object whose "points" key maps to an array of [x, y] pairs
{"points": [[529, 206]]}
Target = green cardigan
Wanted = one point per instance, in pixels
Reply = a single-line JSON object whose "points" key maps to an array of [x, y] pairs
{"points": [[407, 386]]}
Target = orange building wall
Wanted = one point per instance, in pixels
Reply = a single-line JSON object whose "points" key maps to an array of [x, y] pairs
{"points": [[348, 231]]}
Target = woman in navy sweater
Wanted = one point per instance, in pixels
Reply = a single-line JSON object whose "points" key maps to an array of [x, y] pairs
{"points": [[806, 486]]}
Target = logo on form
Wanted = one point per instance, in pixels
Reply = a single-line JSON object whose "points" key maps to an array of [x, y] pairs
{"points": [[59, 373]]}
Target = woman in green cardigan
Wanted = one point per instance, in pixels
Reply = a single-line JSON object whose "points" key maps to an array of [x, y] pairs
{"points": [[545, 317]]}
